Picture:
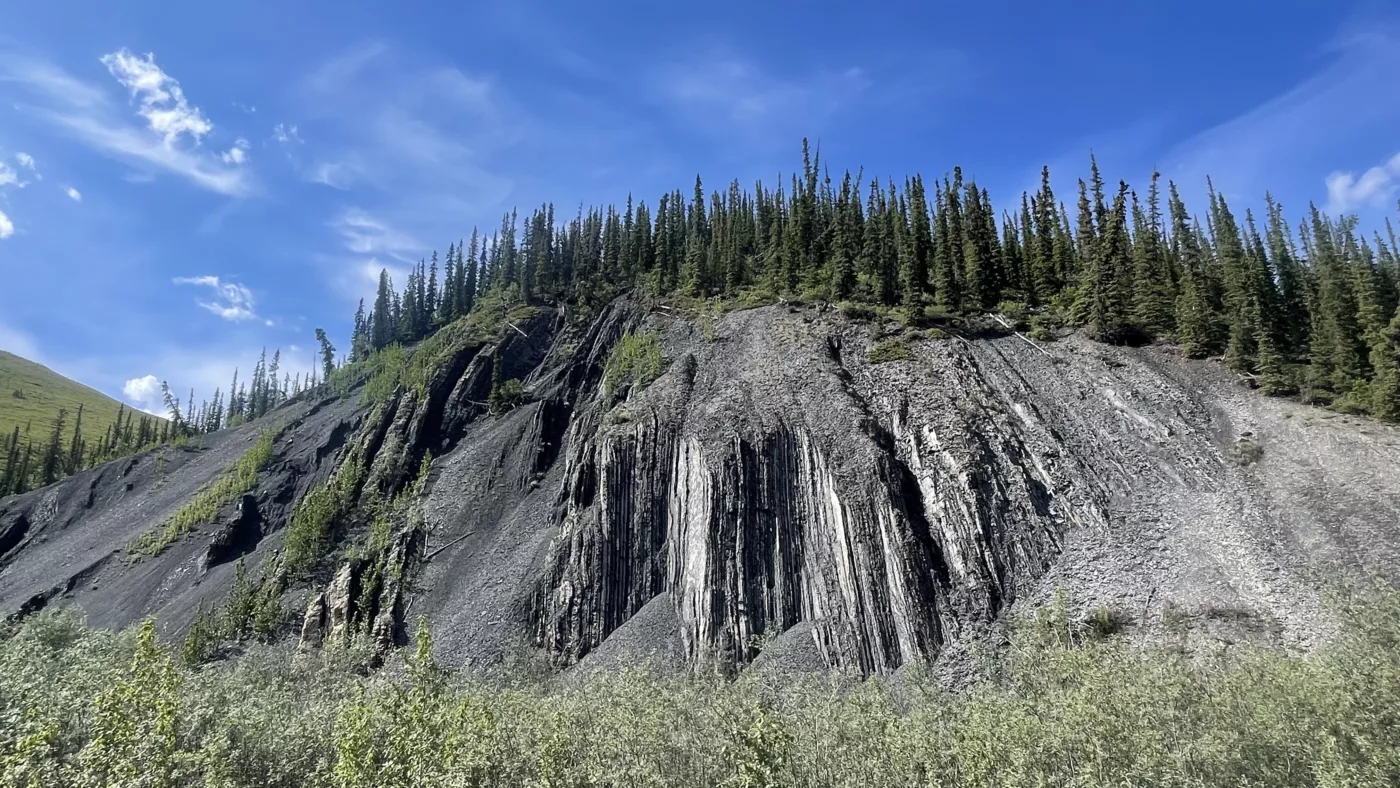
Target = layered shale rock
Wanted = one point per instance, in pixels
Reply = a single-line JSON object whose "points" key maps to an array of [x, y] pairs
{"points": [[772, 494]]}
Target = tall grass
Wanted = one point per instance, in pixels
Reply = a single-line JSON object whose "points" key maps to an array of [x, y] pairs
{"points": [[78, 707], [204, 507], [635, 360]]}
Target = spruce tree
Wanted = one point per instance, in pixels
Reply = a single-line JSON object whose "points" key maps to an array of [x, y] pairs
{"points": [[1153, 296], [52, 467], [75, 446], [1385, 359], [382, 325], [1104, 292], [1194, 321], [1047, 259], [327, 353]]}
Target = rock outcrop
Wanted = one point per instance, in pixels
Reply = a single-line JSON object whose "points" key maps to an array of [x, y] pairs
{"points": [[772, 491]]}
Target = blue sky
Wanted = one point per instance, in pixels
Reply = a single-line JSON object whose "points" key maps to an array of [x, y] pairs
{"points": [[184, 183]]}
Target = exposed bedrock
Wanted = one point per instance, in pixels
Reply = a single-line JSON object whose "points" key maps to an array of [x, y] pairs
{"points": [[772, 492], [760, 484]]}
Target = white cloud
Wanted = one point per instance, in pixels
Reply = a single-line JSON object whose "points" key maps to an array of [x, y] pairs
{"points": [[335, 174], [1346, 192], [238, 154], [336, 72], [364, 234], [1292, 140], [163, 103], [144, 393], [232, 301], [87, 114], [9, 176], [201, 367], [132, 143], [285, 134], [7, 227], [74, 194], [732, 94]]}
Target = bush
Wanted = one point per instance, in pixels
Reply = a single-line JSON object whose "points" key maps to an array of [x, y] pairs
{"points": [[309, 531], [939, 314], [1246, 452], [635, 360], [1044, 327], [1016, 313], [857, 311], [889, 350], [83, 707]]}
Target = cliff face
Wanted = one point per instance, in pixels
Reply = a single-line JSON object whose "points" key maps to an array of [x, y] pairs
{"points": [[771, 491]]}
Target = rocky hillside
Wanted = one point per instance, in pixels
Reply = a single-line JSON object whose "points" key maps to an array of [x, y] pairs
{"points": [[774, 484]]}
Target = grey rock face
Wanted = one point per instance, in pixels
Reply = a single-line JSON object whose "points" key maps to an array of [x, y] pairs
{"points": [[771, 487]]}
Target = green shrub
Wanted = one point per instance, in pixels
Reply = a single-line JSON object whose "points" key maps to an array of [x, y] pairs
{"points": [[232, 483], [1016, 313], [386, 369], [635, 360], [889, 350], [1044, 326], [939, 314], [309, 530], [858, 311], [87, 708]]}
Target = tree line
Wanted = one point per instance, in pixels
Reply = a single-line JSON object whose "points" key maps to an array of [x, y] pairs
{"points": [[32, 461], [1309, 308]]}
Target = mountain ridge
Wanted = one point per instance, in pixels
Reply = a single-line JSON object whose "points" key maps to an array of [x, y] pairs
{"points": [[777, 479]]}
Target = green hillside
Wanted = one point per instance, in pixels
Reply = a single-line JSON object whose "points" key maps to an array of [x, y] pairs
{"points": [[32, 394]]}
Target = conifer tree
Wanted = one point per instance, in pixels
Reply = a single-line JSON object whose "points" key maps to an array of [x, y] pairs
{"points": [[1194, 321], [52, 467], [75, 446], [1153, 296], [1385, 359], [1104, 291], [327, 353], [948, 260], [382, 325], [1047, 270]]}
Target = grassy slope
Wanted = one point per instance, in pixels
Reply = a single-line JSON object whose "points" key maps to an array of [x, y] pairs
{"points": [[45, 391]]}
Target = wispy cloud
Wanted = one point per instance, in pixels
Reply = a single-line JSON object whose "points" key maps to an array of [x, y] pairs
{"points": [[232, 301], [728, 90], [171, 128], [416, 146], [1375, 187], [1298, 133], [9, 176], [366, 235], [285, 134], [18, 342], [73, 194], [163, 103], [335, 174], [337, 71], [7, 227], [238, 154]]}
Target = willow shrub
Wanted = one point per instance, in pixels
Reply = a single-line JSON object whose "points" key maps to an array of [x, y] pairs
{"points": [[81, 707]]}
